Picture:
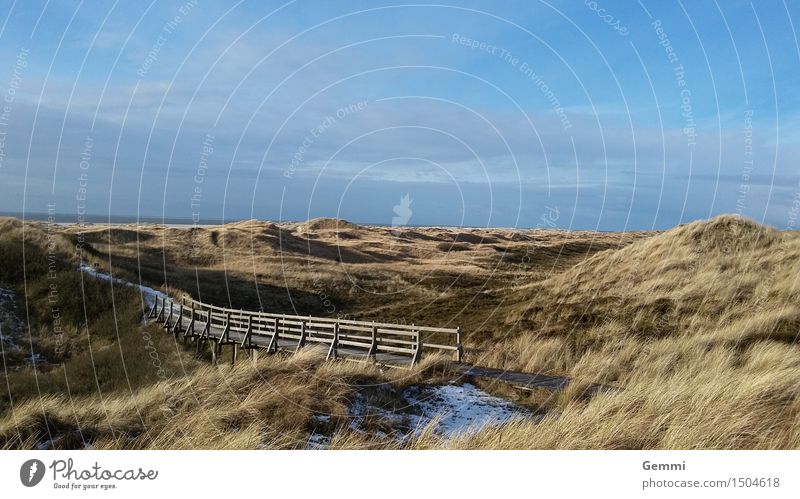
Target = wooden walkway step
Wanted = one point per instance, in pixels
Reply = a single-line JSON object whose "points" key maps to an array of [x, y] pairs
{"points": [[525, 381], [518, 379]]}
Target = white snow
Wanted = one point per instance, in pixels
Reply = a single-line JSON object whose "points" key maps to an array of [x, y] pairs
{"points": [[317, 441], [460, 408], [321, 418], [456, 409], [148, 294]]}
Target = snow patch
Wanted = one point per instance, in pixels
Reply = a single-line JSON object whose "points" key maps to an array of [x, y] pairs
{"points": [[460, 409], [454, 409], [317, 441], [148, 294]]}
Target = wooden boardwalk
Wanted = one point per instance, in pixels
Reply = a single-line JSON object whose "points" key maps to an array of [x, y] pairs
{"points": [[526, 381], [383, 343], [394, 345]]}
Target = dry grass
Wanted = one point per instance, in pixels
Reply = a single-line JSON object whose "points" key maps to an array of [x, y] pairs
{"points": [[267, 404], [332, 267], [697, 328], [720, 400], [270, 405]]}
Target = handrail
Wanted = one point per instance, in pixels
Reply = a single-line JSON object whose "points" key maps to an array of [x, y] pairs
{"points": [[322, 319]]}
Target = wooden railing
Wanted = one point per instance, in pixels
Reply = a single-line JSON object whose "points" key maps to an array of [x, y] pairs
{"points": [[376, 341]]}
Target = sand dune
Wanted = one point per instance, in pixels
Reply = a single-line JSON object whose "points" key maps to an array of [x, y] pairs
{"points": [[696, 327]]}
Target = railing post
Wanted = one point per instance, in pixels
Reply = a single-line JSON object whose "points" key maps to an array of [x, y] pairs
{"points": [[273, 342], [302, 342], [160, 316], [216, 346], [234, 345], [190, 327], [246, 341], [373, 347], [459, 348], [417, 347], [178, 323], [225, 332], [153, 310], [206, 332], [254, 355], [167, 324], [333, 350]]}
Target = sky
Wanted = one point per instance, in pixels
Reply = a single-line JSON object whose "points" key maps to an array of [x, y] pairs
{"points": [[597, 115]]}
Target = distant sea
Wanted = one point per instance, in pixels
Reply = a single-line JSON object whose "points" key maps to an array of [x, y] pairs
{"points": [[66, 218]]}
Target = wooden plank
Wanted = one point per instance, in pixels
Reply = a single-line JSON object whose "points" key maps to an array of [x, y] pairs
{"points": [[394, 341], [365, 346], [451, 348], [385, 348], [521, 380]]}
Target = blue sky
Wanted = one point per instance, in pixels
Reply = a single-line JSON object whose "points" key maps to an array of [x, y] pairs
{"points": [[620, 115]]}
